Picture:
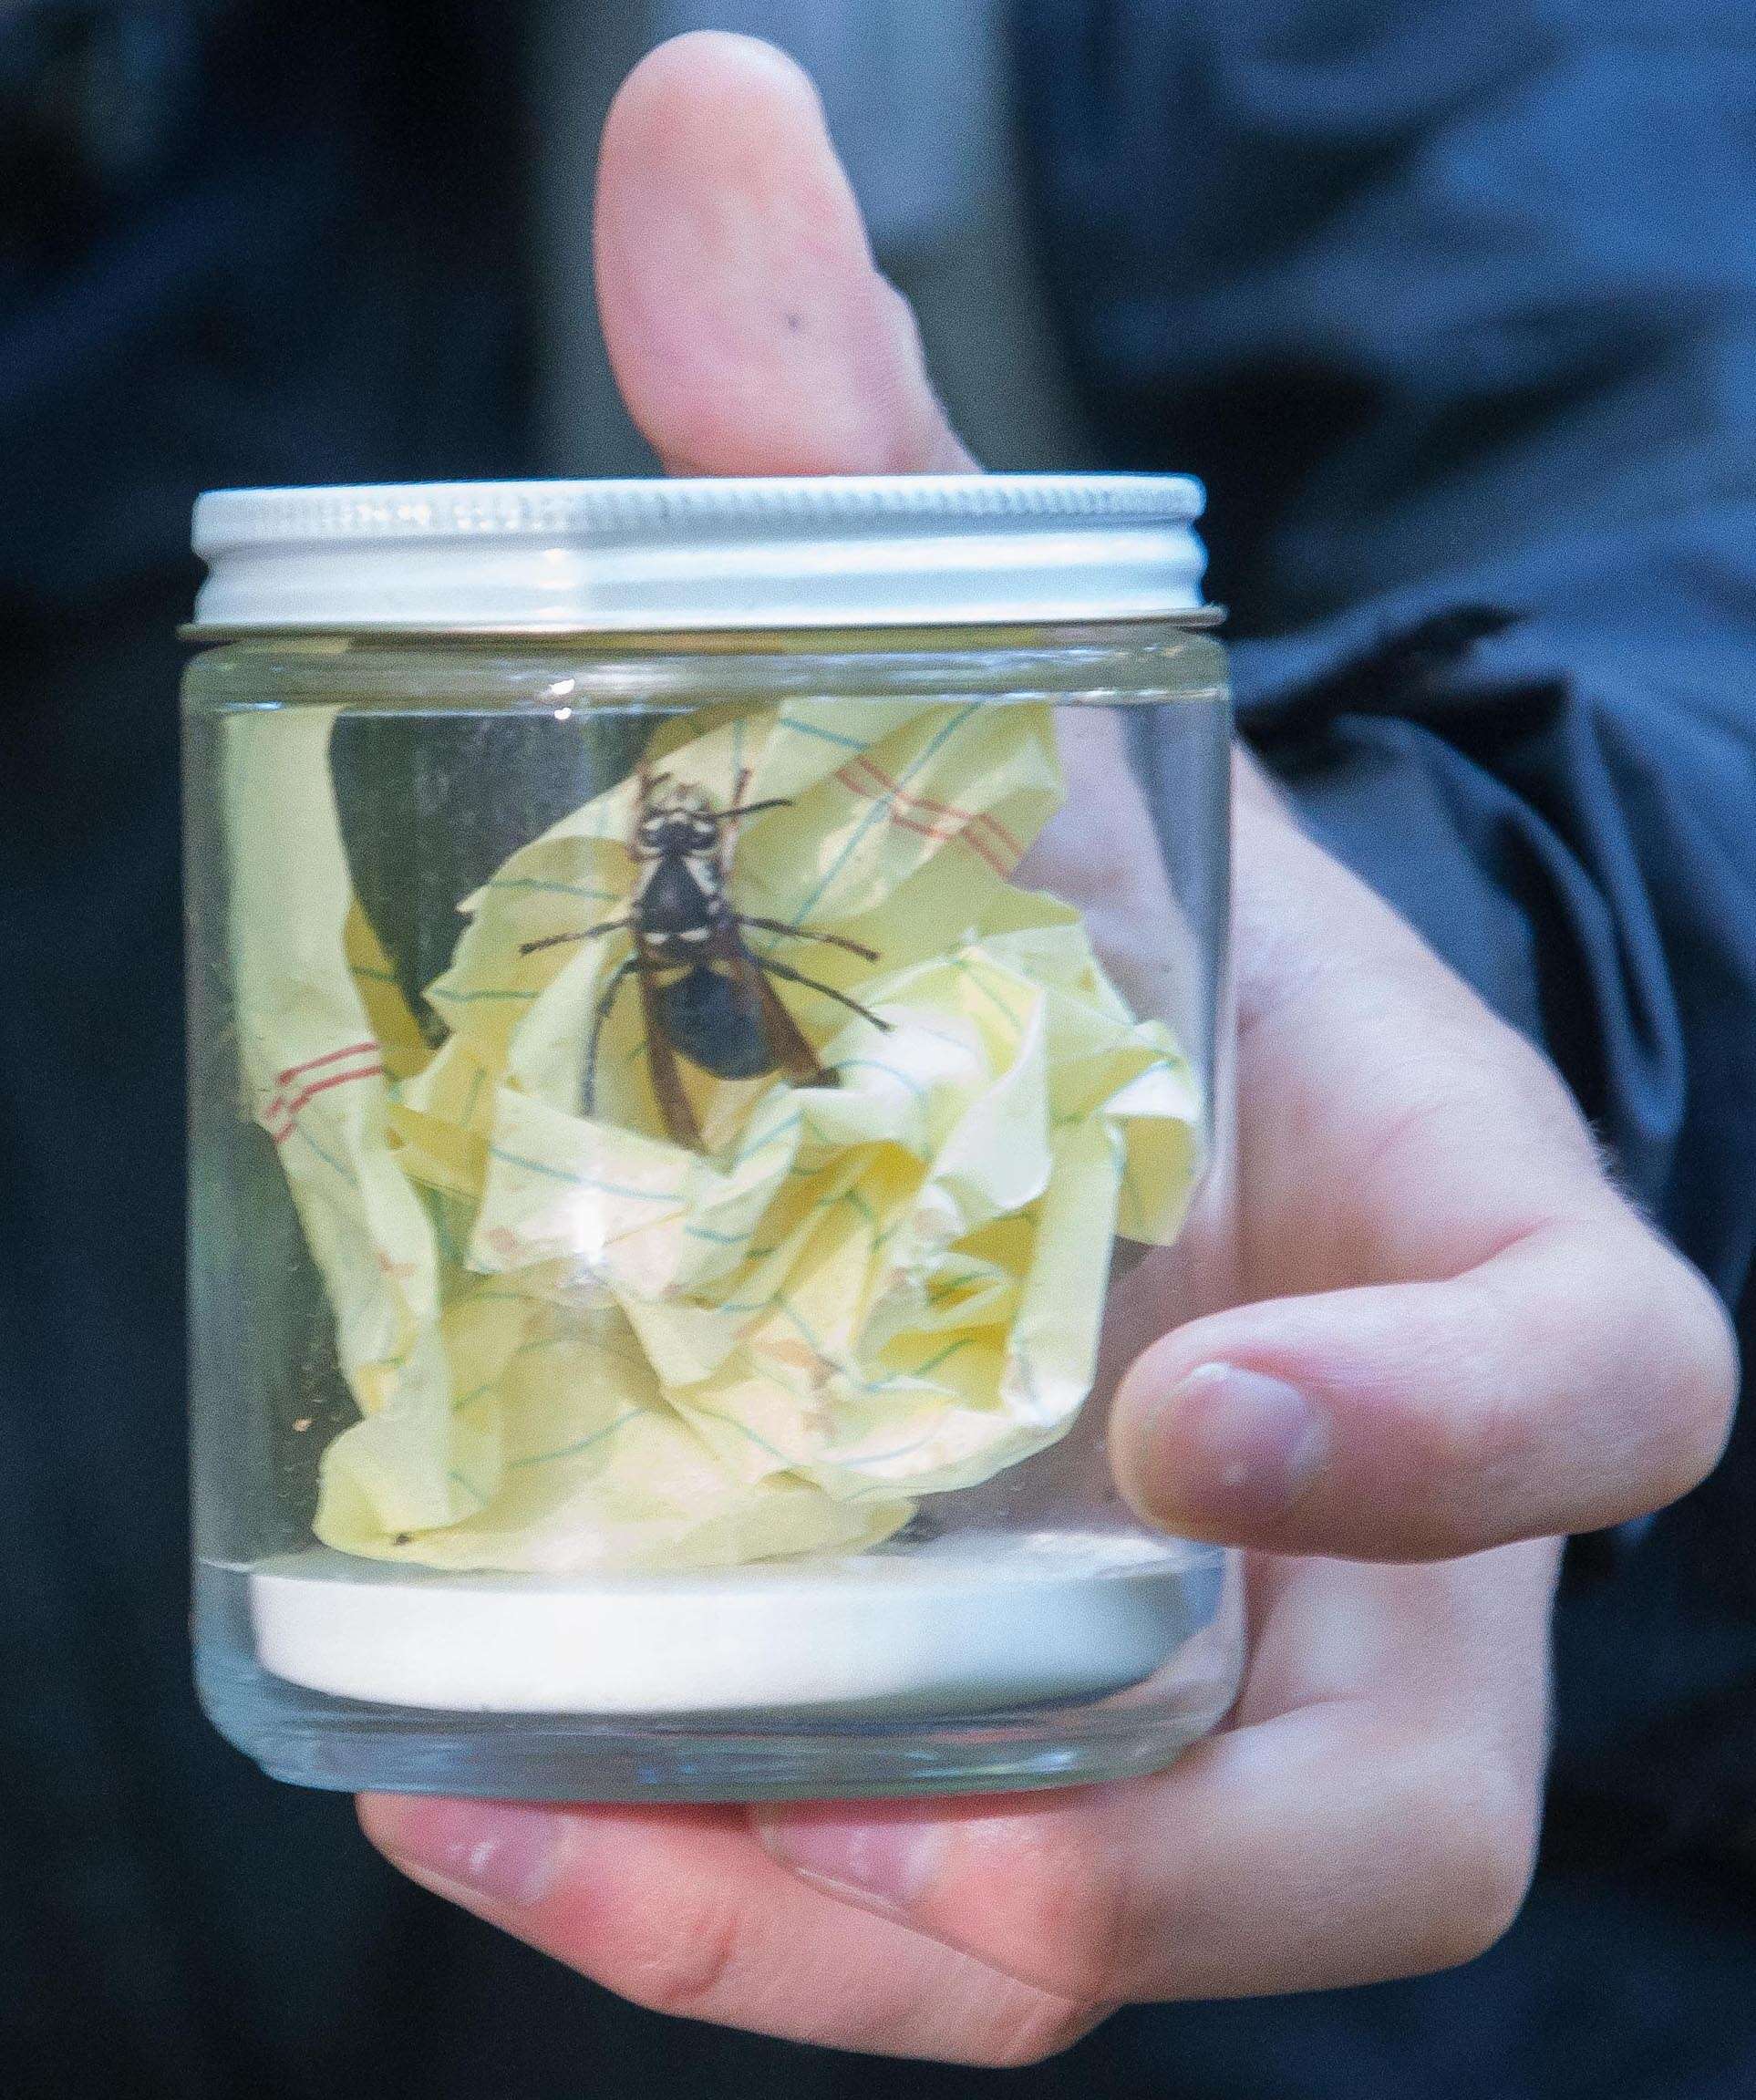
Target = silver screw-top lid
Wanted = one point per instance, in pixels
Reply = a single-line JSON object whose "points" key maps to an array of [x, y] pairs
{"points": [[835, 551]]}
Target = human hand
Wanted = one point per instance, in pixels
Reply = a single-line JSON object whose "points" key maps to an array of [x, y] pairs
{"points": [[1458, 1342]]}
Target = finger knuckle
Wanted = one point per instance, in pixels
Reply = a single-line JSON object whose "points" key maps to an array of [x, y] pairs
{"points": [[1679, 1361], [1042, 2028], [1072, 1909], [1482, 1819], [1703, 1389], [683, 1959], [1465, 1449]]}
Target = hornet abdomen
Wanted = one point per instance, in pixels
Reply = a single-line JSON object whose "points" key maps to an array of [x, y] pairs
{"points": [[715, 1021]]}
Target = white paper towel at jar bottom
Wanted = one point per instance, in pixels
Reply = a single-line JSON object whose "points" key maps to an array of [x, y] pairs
{"points": [[970, 1624]]}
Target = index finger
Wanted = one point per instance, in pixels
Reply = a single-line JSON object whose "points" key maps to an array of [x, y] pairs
{"points": [[1462, 1334]]}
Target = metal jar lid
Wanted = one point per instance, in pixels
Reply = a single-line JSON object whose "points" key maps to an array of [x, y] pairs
{"points": [[835, 551]]}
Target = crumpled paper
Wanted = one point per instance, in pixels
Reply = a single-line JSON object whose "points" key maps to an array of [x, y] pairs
{"points": [[576, 1346]]}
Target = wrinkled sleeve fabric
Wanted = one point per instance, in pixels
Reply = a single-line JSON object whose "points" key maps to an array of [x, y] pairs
{"points": [[1454, 309]]}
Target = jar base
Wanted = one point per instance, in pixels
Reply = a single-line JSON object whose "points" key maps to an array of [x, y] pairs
{"points": [[968, 1623], [849, 1749]]}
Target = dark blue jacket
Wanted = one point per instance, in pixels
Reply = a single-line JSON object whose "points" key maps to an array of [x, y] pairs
{"points": [[1455, 309], [1454, 305]]}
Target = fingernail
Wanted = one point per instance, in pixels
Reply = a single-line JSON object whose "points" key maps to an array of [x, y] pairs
{"points": [[1223, 1447], [508, 1852], [887, 1859]]}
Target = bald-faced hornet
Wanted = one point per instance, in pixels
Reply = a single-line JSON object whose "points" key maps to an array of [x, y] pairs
{"points": [[705, 995]]}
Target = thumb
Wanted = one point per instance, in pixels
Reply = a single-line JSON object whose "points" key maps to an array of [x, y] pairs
{"points": [[749, 328]]}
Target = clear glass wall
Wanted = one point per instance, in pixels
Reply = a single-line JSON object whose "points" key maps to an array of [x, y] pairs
{"points": [[686, 1138]]}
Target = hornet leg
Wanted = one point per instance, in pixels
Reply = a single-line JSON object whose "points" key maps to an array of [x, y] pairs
{"points": [[769, 968], [607, 999], [807, 934], [591, 934]]}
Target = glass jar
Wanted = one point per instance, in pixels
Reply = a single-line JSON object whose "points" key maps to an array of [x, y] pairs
{"points": [[708, 1058]]}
